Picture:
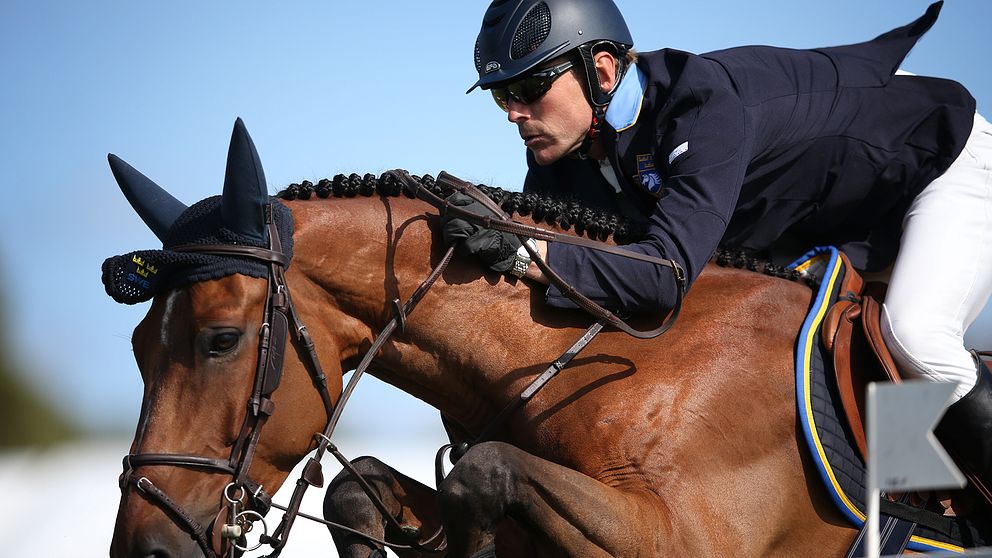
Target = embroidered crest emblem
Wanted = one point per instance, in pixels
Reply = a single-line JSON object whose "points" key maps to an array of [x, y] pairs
{"points": [[646, 173]]}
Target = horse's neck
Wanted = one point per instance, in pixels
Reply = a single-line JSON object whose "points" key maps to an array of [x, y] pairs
{"points": [[476, 340], [464, 336]]}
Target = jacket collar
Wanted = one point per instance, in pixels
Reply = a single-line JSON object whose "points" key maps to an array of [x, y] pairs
{"points": [[625, 106]]}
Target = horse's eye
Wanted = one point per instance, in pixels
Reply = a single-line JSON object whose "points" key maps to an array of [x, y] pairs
{"points": [[223, 342]]}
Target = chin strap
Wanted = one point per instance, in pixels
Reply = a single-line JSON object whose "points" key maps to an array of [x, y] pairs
{"points": [[598, 99], [598, 117]]}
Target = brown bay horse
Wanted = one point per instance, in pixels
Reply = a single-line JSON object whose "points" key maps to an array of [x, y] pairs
{"points": [[684, 445]]}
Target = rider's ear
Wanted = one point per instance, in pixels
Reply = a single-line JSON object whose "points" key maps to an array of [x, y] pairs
{"points": [[606, 70], [245, 192]]}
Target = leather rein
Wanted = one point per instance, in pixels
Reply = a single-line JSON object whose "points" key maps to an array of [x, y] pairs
{"points": [[280, 314], [503, 223]]}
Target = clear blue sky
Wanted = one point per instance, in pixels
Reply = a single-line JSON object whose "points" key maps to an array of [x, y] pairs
{"points": [[324, 87]]}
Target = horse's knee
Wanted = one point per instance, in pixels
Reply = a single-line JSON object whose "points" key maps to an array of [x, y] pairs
{"points": [[484, 476], [366, 466], [345, 498]]}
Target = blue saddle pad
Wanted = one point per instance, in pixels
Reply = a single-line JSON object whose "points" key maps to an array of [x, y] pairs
{"points": [[821, 418]]}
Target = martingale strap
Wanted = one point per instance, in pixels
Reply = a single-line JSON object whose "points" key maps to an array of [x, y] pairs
{"points": [[457, 451], [503, 223], [436, 542], [312, 474]]}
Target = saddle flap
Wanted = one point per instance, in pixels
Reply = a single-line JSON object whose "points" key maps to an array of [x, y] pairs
{"points": [[871, 316], [850, 290], [852, 336], [851, 364]]}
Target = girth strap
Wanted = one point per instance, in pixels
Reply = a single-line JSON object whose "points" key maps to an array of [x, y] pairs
{"points": [[531, 390]]}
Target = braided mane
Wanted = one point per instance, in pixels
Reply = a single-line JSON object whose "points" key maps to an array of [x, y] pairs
{"points": [[741, 259], [542, 208], [563, 213]]}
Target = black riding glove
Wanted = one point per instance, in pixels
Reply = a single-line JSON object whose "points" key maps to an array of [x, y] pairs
{"points": [[496, 249]]}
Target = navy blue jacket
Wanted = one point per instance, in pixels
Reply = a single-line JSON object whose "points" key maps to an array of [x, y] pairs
{"points": [[746, 146]]}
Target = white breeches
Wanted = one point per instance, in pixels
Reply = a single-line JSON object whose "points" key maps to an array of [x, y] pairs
{"points": [[942, 277]]}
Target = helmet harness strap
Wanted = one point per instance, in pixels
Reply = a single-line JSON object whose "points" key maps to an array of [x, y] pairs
{"points": [[599, 99]]}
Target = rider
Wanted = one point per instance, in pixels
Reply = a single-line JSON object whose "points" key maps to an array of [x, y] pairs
{"points": [[743, 147]]}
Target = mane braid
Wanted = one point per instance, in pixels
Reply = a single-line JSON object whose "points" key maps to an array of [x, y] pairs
{"points": [[741, 259], [542, 208]]}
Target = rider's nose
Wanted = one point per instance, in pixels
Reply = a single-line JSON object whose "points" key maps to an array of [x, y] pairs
{"points": [[515, 111]]}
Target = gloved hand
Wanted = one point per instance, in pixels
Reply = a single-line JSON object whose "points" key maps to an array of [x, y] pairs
{"points": [[496, 249]]}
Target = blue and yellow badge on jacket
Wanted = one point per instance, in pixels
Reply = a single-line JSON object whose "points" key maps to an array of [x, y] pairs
{"points": [[624, 109], [647, 175]]}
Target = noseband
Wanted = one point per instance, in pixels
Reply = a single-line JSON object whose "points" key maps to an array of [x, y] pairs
{"points": [[279, 315]]}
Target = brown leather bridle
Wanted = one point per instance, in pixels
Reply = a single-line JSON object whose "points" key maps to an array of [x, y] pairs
{"points": [[279, 315]]}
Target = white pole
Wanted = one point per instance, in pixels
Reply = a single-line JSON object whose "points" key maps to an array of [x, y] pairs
{"points": [[873, 543], [903, 454], [874, 494]]}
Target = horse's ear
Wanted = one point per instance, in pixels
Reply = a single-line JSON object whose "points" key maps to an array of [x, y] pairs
{"points": [[156, 207], [245, 192]]}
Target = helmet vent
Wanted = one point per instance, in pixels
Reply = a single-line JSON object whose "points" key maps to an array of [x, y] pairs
{"points": [[478, 57], [533, 30], [494, 16]]}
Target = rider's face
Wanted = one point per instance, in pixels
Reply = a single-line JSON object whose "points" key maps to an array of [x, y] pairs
{"points": [[556, 123]]}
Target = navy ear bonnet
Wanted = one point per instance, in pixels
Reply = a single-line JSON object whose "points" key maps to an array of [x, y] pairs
{"points": [[238, 217], [139, 276]]}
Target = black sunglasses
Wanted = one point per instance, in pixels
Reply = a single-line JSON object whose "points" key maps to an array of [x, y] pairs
{"points": [[529, 89]]}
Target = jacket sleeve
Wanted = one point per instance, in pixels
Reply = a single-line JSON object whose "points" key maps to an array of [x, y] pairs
{"points": [[702, 158]]}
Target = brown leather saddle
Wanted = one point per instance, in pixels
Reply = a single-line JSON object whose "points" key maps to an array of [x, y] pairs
{"points": [[853, 340]]}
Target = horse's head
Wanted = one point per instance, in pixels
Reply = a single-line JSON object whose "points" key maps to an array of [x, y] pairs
{"points": [[219, 339]]}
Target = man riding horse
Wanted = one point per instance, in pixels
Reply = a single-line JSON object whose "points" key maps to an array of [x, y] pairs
{"points": [[743, 148], [638, 448]]}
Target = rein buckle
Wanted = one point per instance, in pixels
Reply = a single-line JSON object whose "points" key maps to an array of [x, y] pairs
{"points": [[399, 314]]}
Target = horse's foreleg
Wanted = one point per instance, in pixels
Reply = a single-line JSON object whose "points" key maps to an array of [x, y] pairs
{"points": [[412, 504], [569, 512]]}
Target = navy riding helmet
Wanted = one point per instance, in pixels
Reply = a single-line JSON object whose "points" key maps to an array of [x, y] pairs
{"points": [[518, 36]]}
